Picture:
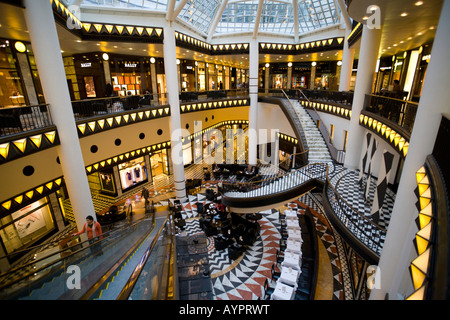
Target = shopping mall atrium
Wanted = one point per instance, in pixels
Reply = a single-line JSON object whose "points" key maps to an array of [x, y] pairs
{"points": [[224, 150]]}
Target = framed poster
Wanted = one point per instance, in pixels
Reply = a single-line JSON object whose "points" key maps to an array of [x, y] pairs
{"points": [[90, 87]]}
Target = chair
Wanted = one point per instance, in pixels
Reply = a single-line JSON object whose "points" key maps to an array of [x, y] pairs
{"points": [[280, 257], [268, 291], [275, 275]]}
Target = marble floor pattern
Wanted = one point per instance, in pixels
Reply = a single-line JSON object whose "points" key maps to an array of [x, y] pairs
{"points": [[243, 279]]}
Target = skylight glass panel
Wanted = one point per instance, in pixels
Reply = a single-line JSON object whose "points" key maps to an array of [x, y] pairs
{"points": [[238, 17], [315, 14], [157, 5], [199, 13], [277, 17]]}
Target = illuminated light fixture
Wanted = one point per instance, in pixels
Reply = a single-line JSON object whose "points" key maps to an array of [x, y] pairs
{"points": [[388, 132], [289, 64], [87, 26], [267, 65], [418, 3], [158, 32], [130, 30], [120, 29], [82, 127], [147, 113], [401, 143], [178, 61], [397, 139], [4, 150], [105, 56], [89, 169], [419, 294], [423, 238], [330, 41], [133, 116], [6, 205], [49, 185], [29, 194], [37, 139], [101, 123], [40, 189], [149, 31], [302, 46], [154, 112], [140, 115], [20, 47], [118, 119], [19, 199], [405, 148], [403, 14], [392, 135], [92, 125], [51, 136], [140, 30], [98, 27], [96, 166], [339, 63], [109, 161], [366, 118], [160, 111], [126, 117], [21, 144], [379, 125], [419, 268], [313, 63], [109, 28], [339, 40], [425, 215], [152, 60]]}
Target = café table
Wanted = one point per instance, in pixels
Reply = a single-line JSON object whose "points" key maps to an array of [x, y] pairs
{"points": [[292, 224], [295, 234], [292, 260], [290, 214], [289, 276], [294, 246], [282, 291]]}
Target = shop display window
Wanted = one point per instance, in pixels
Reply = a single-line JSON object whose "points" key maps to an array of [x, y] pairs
{"points": [[23, 227], [126, 83], [132, 172], [11, 93]]}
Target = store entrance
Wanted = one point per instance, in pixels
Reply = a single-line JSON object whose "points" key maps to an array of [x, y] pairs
{"points": [[159, 165], [132, 173]]}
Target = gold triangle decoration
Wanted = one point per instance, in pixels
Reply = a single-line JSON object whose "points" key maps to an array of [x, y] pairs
{"points": [[4, 150], [51, 136], [37, 139], [21, 144]]}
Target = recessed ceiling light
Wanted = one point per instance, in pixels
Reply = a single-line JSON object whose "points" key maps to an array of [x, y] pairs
{"points": [[404, 14], [432, 27], [78, 41], [418, 3], [98, 44], [365, 18], [420, 33]]}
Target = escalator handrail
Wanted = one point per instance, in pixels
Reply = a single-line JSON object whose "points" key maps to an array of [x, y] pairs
{"points": [[62, 258], [128, 287]]}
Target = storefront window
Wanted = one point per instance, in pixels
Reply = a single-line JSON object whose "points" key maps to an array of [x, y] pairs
{"points": [[132, 172], [11, 90], [26, 225], [187, 70], [212, 77], [227, 78], [201, 76]]}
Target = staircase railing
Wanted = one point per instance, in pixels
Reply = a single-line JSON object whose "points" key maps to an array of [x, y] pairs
{"points": [[336, 155]]}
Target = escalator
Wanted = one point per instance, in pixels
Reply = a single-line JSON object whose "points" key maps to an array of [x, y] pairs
{"points": [[134, 261]]}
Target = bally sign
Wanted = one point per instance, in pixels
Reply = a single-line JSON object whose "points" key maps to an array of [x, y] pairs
{"points": [[130, 65], [86, 65]]}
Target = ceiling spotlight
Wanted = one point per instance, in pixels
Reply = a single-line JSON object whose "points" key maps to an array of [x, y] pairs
{"points": [[404, 14], [20, 46], [267, 65], [418, 3], [152, 60], [289, 64], [313, 63], [339, 63], [105, 56]]}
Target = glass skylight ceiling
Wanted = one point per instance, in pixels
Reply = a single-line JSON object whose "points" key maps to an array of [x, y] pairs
{"points": [[240, 15]]}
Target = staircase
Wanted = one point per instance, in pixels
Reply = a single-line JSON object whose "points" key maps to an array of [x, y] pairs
{"points": [[318, 150]]}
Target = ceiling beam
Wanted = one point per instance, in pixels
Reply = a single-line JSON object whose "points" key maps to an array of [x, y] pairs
{"points": [[178, 9], [170, 8], [258, 18], [217, 17], [295, 13], [344, 12]]}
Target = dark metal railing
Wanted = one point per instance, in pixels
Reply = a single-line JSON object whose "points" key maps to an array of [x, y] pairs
{"points": [[24, 118], [276, 184], [398, 111]]}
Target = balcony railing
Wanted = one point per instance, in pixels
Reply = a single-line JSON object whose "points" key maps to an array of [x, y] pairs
{"points": [[25, 118], [401, 112]]}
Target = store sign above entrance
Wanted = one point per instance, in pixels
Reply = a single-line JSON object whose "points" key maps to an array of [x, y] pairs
{"points": [[130, 65], [86, 65]]}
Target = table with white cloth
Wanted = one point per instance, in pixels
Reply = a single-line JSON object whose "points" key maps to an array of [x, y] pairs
{"points": [[291, 260], [292, 224], [294, 246], [282, 291], [290, 214], [295, 234], [289, 276]]}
